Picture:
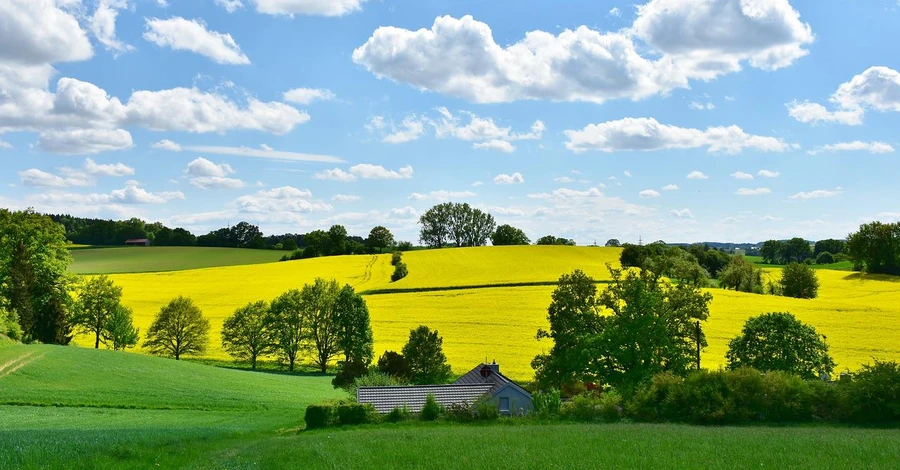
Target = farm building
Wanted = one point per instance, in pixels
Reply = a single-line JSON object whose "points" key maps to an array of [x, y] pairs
{"points": [[484, 382], [137, 242]]}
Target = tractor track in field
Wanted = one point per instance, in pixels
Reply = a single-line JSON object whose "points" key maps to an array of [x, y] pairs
{"points": [[367, 274], [11, 366]]}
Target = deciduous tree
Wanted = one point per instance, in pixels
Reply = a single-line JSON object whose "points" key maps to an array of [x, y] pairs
{"points": [[380, 237], [778, 341], [179, 329], [319, 304], [509, 235], [287, 326], [244, 333], [354, 328], [120, 332], [98, 300], [425, 353], [877, 247], [799, 281]]}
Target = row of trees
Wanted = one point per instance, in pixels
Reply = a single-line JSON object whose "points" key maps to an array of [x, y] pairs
{"points": [[86, 231], [455, 224], [876, 248]]}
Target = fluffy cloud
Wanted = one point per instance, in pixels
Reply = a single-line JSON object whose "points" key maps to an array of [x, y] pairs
{"points": [[697, 175], [230, 5], [113, 169], [38, 32], [769, 174], [817, 194], [203, 167], [103, 25], [648, 194], [740, 175], [84, 141], [498, 145], [515, 178], [857, 145], [134, 194], [167, 144], [410, 129], [484, 133], [877, 88], [688, 40], [191, 35], [670, 187], [701, 106], [308, 7], [308, 95], [682, 214], [441, 195], [632, 134], [753, 192], [71, 177], [366, 171], [39, 178]]}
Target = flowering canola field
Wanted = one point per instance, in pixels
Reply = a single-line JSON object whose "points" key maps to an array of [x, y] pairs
{"points": [[860, 315]]}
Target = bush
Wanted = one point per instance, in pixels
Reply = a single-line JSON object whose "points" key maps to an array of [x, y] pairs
{"points": [[788, 398], [396, 257], [460, 413], [9, 324], [394, 364], [873, 394], [319, 416], [742, 276], [400, 271], [799, 281], [372, 379], [546, 404], [348, 373], [611, 406], [825, 258], [398, 414], [652, 403], [349, 414], [432, 409], [585, 407], [778, 341], [487, 410], [404, 246]]}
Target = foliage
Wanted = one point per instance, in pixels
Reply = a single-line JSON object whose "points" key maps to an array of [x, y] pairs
{"points": [[34, 281], [119, 332], [742, 276], [354, 329], [179, 329], [394, 365], [799, 281], [97, 232], [639, 326], [825, 258], [244, 333], [680, 265], [319, 304], [610, 408], [771, 251], [400, 271], [337, 240], [319, 416], [372, 379], [9, 324], [463, 413], [425, 353], [613, 242], [873, 394], [457, 224], [584, 407], [432, 410], [828, 246], [349, 414], [877, 247], [348, 372], [98, 298], [398, 414], [551, 240], [486, 410], [396, 257], [241, 235], [710, 259], [287, 326], [509, 235], [778, 341], [380, 237], [546, 404], [784, 252], [404, 246], [634, 256]]}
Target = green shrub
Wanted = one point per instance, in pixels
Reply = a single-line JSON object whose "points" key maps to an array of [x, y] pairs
{"points": [[400, 271], [432, 409], [395, 258], [372, 379], [611, 406], [585, 407], [460, 413], [799, 281], [319, 416], [348, 373], [487, 410], [873, 394], [9, 324], [355, 413], [398, 414], [788, 398], [546, 404], [652, 402], [825, 258]]}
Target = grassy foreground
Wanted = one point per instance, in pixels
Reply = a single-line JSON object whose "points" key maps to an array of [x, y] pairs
{"points": [[164, 258]]}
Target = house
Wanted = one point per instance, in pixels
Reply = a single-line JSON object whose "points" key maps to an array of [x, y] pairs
{"points": [[137, 242], [484, 382]]}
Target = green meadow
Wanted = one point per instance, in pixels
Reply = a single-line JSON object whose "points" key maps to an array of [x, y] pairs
{"points": [[112, 260]]}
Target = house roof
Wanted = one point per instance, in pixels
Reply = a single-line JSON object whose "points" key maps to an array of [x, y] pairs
{"points": [[491, 376], [385, 399], [136, 240]]}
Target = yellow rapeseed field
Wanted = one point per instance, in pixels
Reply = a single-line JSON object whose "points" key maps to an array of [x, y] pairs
{"points": [[860, 315]]}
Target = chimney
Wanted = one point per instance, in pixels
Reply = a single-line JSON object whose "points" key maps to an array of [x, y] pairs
{"points": [[494, 366]]}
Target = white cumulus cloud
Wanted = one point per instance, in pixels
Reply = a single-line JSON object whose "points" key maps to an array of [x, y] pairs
{"points": [[753, 191], [182, 34], [515, 178], [648, 194], [308, 95], [740, 175], [877, 88], [697, 175]]}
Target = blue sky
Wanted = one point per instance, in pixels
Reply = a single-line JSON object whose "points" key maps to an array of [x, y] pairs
{"points": [[682, 120]]}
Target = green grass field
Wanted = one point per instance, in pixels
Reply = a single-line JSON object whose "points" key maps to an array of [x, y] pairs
{"points": [[841, 266], [113, 260]]}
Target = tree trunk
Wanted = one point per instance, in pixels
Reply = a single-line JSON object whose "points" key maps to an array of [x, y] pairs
{"points": [[253, 362], [97, 341]]}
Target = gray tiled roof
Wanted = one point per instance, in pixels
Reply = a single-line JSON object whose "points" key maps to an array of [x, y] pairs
{"points": [[386, 399], [495, 379]]}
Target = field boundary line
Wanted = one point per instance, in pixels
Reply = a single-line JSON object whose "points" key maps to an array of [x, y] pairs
{"points": [[413, 290]]}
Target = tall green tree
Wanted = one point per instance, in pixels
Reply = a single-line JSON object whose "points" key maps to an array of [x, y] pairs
{"points": [[98, 300], [772, 251], [509, 235], [828, 246], [799, 281], [316, 243], [424, 352], [34, 278], [354, 327], [796, 249], [120, 333], [287, 326], [742, 276], [637, 327], [178, 329], [319, 302], [435, 222], [244, 333], [337, 240], [876, 246], [779, 341], [613, 243], [380, 237], [456, 224]]}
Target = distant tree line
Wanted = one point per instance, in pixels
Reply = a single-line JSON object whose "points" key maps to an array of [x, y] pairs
{"points": [[85, 231], [798, 250], [876, 248]]}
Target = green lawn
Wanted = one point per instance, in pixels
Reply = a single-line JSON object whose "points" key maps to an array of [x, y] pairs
{"points": [[842, 266], [113, 260]]}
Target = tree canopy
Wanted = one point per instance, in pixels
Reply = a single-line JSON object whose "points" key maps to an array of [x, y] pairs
{"points": [[98, 300], [179, 329], [508, 235], [552, 240], [425, 354], [455, 224], [799, 281], [876, 246], [244, 334], [778, 341], [380, 237]]}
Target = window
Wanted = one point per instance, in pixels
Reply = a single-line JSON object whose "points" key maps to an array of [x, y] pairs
{"points": [[504, 404]]}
